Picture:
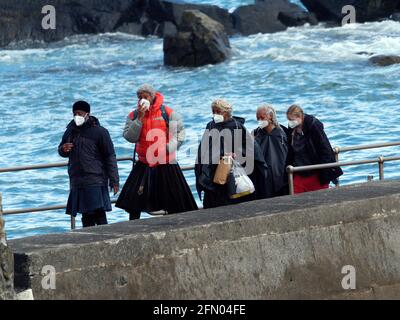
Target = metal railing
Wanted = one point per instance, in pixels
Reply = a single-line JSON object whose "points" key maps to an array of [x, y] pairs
{"points": [[290, 169], [380, 161], [59, 207]]}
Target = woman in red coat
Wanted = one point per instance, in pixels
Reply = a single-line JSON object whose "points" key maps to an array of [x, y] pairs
{"points": [[156, 181]]}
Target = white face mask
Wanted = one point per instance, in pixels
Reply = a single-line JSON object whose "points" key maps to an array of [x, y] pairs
{"points": [[145, 103], [263, 124], [79, 120], [218, 118], [293, 124]]}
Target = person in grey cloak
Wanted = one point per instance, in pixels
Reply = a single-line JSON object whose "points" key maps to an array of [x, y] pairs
{"points": [[272, 138]]}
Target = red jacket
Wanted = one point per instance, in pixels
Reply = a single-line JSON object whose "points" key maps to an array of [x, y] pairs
{"points": [[154, 137]]}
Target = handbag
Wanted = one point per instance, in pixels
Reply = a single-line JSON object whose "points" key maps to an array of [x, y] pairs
{"points": [[224, 168]]}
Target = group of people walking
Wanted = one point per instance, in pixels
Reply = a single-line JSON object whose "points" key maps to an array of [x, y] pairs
{"points": [[156, 181]]}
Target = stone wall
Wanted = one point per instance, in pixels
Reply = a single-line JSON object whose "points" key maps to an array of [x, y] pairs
{"points": [[6, 264], [288, 247]]}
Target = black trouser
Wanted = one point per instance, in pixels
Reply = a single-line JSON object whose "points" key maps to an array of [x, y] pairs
{"points": [[95, 218], [134, 215]]}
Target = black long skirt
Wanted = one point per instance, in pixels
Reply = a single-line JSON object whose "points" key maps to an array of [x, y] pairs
{"points": [[149, 189]]}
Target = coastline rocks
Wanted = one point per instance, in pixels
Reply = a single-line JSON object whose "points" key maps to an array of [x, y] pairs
{"points": [[385, 60], [6, 266], [395, 16], [199, 41], [270, 16], [159, 17], [22, 20], [366, 10]]}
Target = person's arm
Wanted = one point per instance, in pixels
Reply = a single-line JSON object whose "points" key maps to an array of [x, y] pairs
{"points": [[177, 132], [109, 157], [132, 130], [61, 148], [321, 143]]}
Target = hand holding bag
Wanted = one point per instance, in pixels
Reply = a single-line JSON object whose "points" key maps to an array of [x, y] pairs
{"points": [[223, 170]]}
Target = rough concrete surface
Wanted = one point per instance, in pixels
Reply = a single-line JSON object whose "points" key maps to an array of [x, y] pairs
{"points": [[282, 248]]}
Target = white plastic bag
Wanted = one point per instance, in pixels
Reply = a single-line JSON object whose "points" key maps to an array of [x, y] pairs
{"points": [[241, 185]]}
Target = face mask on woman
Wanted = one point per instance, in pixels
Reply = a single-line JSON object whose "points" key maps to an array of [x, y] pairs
{"points": [[145, 104], [218, 118], [79, 120], [263, 123], [293, 124]]}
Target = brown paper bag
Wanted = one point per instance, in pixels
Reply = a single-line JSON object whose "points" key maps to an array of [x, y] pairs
{"points": [[223, 170]]}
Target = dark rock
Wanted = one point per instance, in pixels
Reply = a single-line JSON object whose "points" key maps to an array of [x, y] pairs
{"points": [[172, 11], [21, 19], [365, 53], [395, 16], [270, 16], [6, 266], [366, 10], [199, 41], [385, 60]]}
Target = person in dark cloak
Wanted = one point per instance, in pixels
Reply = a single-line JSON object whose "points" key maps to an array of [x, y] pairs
{"points": [[92, 166], [272, 138], [227, 135]]}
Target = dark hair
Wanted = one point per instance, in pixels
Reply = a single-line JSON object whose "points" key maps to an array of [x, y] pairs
{"points": [[82, 106]]}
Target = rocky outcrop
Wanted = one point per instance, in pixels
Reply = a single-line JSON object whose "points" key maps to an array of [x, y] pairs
{"points": [[366, 10], [22, 19], [270, 16], [6, 265], [385, 60], [395, 16], [199, 41]]}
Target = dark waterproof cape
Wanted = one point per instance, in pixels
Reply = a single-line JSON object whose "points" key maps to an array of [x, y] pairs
{"points": [[217, 195], [92, 160], [318, 148], [274, 147]]}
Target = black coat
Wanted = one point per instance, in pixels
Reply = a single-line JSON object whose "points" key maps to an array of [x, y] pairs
{"points": [[205, 171], [274, 147], [318, 148], [92, 160]]}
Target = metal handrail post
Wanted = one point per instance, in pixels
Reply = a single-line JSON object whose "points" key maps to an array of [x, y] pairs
{"points": [[289, 170], [381, 161], [73, 223], [337, 151]]}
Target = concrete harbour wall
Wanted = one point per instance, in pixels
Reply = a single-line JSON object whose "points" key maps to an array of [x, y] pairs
{"points": [[283, 248]]}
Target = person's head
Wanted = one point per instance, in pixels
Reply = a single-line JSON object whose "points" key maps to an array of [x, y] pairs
{"points": [[295, 115], [81, 111], [266, 116], [146, 92], [221, 110]]}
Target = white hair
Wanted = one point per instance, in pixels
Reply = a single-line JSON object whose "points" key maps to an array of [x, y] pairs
{"points": [[270, 110]]}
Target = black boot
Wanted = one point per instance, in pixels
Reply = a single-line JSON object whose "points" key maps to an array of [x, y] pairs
{"points": [[134, 215]]}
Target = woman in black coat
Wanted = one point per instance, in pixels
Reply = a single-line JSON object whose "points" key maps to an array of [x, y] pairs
{"points": [[214, 146], [271, 137], [309, 145], [92, 166]]}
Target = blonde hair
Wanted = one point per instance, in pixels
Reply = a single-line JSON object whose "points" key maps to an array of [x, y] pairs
{"points": [[295, 110], [223, 106]]}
